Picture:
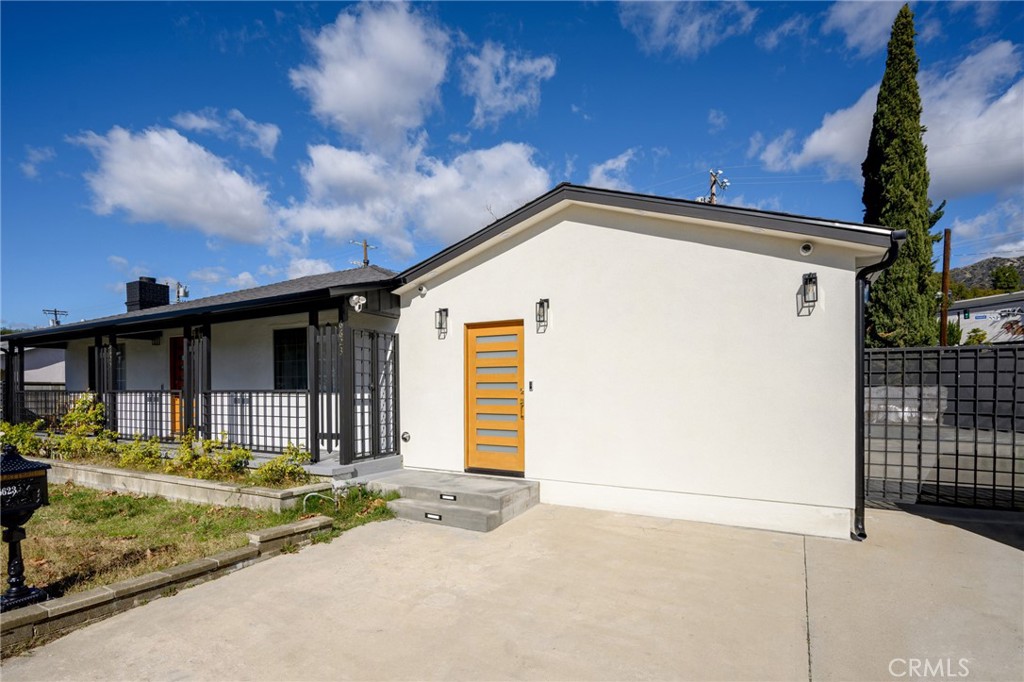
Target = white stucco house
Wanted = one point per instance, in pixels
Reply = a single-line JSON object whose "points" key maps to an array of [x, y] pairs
{"points": [[631, 353]]}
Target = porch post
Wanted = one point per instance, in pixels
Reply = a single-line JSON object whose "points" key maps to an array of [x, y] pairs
{"points": [[313, 387], [207, 381], [348, 383], [111, 386], [8, 397], [187, 388], [98, 370]]}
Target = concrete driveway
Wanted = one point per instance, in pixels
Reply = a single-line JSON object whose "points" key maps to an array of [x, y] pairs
{"points": [[570, 594]]}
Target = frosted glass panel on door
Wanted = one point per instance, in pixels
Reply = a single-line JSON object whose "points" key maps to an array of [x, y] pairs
{"points": [[510, 449], [497, 386], [488, 417], [496, 370], [500, 338], [496, 433], [497, 401], [488, 354]]}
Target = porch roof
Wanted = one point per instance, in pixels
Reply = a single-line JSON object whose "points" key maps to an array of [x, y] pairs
{"points": [[290, 296]]}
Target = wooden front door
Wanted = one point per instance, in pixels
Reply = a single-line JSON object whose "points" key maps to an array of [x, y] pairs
{"points": [[495, 409], [177, 382]]}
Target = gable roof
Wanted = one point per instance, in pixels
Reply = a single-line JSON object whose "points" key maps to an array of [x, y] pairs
{"points": [[987, 301], [298, 290], [567, 194]]}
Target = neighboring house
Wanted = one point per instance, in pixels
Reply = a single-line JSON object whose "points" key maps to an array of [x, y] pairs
{"points": [[632, 353], [44, 367], [1001, 317]]}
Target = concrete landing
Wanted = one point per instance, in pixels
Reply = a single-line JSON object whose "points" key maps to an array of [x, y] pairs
{"points": [[469, 501]]}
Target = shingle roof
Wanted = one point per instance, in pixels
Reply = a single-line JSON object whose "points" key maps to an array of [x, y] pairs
{"points": [[371, 275]]}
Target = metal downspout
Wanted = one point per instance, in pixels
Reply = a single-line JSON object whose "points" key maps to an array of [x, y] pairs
{"points": [[897, 237]]}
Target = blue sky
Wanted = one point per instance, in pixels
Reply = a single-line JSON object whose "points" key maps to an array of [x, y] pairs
{"points": [[227, 145]]}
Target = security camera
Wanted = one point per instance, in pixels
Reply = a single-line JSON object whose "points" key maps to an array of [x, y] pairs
{"points": [[422, 289], [806, 248], [357, 302]]}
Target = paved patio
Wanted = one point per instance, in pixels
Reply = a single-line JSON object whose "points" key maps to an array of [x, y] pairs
{"points": [[567, 594]]}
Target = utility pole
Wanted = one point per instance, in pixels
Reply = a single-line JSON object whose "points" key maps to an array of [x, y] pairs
{"points": [[944, 318], [717, 180], [56, 314], [366, 254]]}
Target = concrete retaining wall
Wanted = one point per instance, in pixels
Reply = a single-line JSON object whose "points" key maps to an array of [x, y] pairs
{"points": [[58, 616], [179, 488]]}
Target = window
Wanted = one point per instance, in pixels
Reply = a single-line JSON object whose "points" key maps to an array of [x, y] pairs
{"points": [[290, 359]]}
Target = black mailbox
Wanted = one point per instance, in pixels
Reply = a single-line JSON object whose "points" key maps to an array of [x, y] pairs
{"points": [[22, 491]]}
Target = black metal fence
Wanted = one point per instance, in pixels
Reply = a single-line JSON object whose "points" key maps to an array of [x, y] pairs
{"points": [[945, 426]]}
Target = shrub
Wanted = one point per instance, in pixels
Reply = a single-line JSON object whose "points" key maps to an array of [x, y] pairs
{"points": [[85, 435], [140, 454], [23, 437], [284, 469], [976, 337], [208, 459]]}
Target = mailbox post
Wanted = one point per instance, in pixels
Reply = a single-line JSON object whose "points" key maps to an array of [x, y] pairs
{"points": [[22, 491]]}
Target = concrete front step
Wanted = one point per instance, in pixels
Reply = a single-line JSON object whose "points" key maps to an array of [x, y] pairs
{"points": [[467, 501]]}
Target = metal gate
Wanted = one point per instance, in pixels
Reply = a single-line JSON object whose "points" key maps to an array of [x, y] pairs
{"points": [[945, 426]]}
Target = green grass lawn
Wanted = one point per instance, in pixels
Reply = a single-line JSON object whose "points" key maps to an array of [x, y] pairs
{"points": [[86, 538]]}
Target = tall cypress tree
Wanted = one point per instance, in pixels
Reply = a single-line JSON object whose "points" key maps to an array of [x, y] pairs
{"points": [[901, 308]]}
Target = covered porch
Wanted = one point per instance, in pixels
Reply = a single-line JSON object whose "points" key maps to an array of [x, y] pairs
{"points": [[316, 368]]}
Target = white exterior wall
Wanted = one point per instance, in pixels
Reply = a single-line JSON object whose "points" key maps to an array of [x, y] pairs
{"points": [[675, 377], [44, 366], [76, 366], [995, 320]]}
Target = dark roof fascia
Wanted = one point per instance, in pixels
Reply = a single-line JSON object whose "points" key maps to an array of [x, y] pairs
{"points": [[263, 307], [747, 217], [987, 301]]}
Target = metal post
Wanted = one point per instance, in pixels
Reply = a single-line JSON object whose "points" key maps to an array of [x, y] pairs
{"points": [[111, 411], [944, 318], [313, 387], [348, 384], [207, 379]]}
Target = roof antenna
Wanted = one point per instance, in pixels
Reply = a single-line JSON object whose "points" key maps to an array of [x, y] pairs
{"points": [[717, 180], [366, 253], [56, 314], [180, 292]]}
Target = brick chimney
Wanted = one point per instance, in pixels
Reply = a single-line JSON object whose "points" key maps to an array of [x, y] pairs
{"points": [[146, 293]]}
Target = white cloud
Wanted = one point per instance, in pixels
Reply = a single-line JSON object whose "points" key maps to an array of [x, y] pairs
{"points": [[503, 83], [303, 267], [611, 174], [865, 25], [755, 145], [208, 275], [984, 12], [35, 157], [159, 176], [269, 270], [235, 126], [243, 280], [772, 203], [354, 193], [685, 28], [796, 25], [716, 121], [118, 262], [975, 131], [377, 71], [995, 232]]}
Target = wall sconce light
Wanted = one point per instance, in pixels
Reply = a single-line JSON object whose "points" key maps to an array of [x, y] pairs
{"points": [[810, 288], [441, 322], [542, 313]]}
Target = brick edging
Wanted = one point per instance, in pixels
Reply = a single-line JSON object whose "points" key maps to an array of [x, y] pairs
{"points": [[59, 616]]}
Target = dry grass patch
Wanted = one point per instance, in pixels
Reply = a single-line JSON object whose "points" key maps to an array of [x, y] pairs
{"points": [[88, 538]]}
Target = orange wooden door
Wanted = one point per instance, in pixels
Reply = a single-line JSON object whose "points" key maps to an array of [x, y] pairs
{"points": [[177, 382], [495, 409]]}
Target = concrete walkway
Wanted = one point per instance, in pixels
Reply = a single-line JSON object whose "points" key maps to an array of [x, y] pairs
{"points": [[569, 594]]}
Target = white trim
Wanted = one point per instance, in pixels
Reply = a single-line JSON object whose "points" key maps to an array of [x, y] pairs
{"points": [[830, 522]]}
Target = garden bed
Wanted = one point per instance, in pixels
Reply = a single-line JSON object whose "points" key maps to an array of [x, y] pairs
{"points": [[180, 488]]}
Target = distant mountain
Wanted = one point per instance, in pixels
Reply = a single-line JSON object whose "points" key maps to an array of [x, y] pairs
{"points": [[980, 274]]}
